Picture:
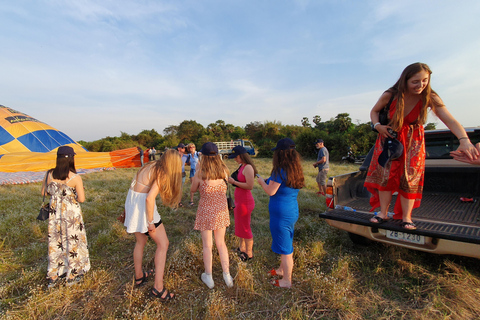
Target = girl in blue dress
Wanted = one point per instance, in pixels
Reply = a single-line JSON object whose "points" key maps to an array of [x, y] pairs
{"points": [[283, 186]]}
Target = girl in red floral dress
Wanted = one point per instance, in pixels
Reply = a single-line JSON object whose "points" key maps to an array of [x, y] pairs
{"points": [[412, 97]]}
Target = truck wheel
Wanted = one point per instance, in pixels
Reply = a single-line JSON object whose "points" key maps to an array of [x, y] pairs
{"points": [[357, 239]]}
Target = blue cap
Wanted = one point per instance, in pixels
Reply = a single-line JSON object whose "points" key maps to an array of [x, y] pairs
{"points": [[65, 151], [284, 144], [209, 149], [237, 150], [392, 149]]}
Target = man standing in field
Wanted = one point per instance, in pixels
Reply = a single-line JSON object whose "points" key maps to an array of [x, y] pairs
{"points": [[322, 165]]}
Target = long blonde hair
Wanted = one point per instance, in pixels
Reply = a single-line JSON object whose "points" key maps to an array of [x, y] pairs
{"points": [[167, 174], [399, 89], [212, 168]]}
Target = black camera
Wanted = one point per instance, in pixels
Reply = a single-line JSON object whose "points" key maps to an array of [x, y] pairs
{"points": [[392, 133]]}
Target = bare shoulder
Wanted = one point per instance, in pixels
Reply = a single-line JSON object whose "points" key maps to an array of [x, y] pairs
{"points": [[383, 100], [248, 168], [74, 176]]}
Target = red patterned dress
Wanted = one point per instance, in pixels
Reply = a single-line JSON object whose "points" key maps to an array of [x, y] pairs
{"points": [[405, 174], [244, 205], [212, 212]]}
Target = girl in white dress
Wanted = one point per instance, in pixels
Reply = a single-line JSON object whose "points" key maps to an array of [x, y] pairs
{"points": [[163, 177]]}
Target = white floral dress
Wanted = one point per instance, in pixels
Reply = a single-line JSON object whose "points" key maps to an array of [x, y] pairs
{"points": [[67, 240]]}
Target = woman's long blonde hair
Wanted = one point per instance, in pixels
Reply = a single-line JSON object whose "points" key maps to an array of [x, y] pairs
{"points": [[167, 174], [212, 168], [399, 89]]}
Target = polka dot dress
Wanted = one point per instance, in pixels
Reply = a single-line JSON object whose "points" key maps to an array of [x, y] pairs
{"points": [[212, 213]]}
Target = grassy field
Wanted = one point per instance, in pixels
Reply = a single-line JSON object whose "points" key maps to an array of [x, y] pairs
{"points": [[333, 279]]}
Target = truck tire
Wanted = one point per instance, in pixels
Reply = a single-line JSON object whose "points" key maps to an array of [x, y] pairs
{"points": [[357, 239]]}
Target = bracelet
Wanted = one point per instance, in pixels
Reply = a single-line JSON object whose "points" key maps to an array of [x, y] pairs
{"points": [[150, 222], [463, 138], [376, 124]]}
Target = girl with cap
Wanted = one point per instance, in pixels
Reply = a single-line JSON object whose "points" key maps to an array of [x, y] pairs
{"points": [[163, 177], [244, 202], [67, 242], [283, 186], [212, 214], [410, 97]]}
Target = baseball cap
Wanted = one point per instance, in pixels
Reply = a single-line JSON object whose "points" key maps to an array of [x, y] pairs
{"points": [[237, 150], [392, 149], [209, 149], [65, 151], [284, 144], [319, 141]]}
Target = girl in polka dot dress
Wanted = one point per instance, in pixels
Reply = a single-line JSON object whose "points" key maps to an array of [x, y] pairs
{"points": [[212, 214]]}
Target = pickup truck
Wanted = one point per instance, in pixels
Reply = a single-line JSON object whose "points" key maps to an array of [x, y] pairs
{"points": [[225, 147], [448, 219]]}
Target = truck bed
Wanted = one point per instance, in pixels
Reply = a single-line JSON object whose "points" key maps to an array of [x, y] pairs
{"points": [[441, 213], [439, 216]]}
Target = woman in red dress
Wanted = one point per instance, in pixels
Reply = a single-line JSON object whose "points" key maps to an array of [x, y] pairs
{"points": [[244, 202], [412, 97]]}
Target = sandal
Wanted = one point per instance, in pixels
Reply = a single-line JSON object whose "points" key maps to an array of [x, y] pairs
{"points": [[409, 226], [277, 284], [273, 273], [378, 220], [75, 280], [244, 256], [158, 294], [144, 278], [191, 204], [52, 283]]}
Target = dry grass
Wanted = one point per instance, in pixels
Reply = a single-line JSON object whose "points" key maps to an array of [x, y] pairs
{"points": [[333, 279]]}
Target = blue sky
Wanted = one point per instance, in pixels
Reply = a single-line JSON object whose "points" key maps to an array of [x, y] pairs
{"points": [[98, 68]]}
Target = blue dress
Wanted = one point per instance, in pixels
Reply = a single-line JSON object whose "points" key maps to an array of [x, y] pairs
{"points": [[283, 209]]}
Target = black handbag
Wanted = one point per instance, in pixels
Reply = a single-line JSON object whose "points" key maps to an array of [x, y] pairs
{"points": [[230, 200], [234, 175], [45, 210], [383, 114]]}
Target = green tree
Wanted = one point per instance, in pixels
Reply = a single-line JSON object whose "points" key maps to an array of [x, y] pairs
{"points": [[238, 133], [342, 122], [317, 120], [190, 130], [306, 123], [254, 129]]}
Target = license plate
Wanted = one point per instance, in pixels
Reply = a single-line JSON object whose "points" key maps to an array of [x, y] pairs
{"points": [[407, 237]]}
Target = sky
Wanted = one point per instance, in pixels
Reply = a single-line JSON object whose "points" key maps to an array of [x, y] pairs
{"points": [[97, 68]]}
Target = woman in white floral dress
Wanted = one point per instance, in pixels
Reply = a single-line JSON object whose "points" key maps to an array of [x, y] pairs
{"points": [[67, 241]]}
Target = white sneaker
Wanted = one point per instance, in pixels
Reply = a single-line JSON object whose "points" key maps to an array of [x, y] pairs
{"points": [[208, 280], [228, 279]]}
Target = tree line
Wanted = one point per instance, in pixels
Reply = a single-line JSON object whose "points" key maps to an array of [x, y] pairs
{"points": [[340, 135]]}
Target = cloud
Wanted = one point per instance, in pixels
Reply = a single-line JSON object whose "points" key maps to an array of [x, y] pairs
{"points": [[150, 64]]}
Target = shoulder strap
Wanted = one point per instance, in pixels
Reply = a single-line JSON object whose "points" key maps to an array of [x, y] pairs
{"points": [[45, 184], [387, 106], [71, 178]]}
